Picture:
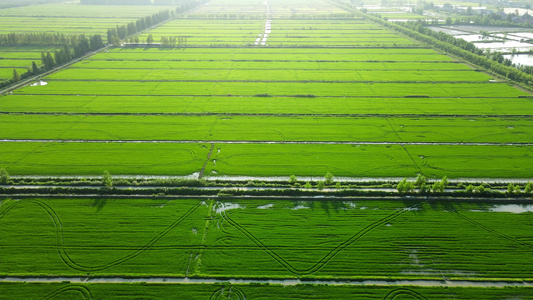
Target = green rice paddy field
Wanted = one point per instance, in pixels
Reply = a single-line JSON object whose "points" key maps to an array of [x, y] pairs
{"points": [[258, 9], [275, 95], [287, 33], [345, 96], [266, 239], [254, 291]]}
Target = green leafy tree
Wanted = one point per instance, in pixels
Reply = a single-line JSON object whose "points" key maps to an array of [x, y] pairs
{"points": [[444, 182], [480, 189], [517, 189], [107, 180], [150, 39], [34, 68], [320, 185], [293, 179], [409, 187], [448, 21], [401, 186], [4, 176], [328, 178], [470, 189], [338, 185], [510, 188], [16, 76], [308, 185], [423, 188], [437, 187], [529, 188], [420, 179]]}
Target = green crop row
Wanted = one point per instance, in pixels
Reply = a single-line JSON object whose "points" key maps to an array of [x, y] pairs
{"points": [[255, 291], [91, 12], [265, 105], [265, 239], [267, 65], [109, 88], [267, 128], [269, 75], [63, 158], [271, 54], [435, 161]]}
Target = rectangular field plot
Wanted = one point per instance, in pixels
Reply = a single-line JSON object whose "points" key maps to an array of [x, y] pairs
{"points": [[103, 236], [271, 9], [333, 33], [76, 10], [68, 26], [370, 160], [21, 158], [258, 291], [209, 33], [230, 9], [93, 159], [285, 33], [257, 239], [267, 128], [266, 105], [232, 88], [408, 240]]}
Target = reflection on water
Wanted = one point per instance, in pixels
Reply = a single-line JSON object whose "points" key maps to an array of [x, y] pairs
{"points": [[512, 208], [224, 206], [521, 59]]}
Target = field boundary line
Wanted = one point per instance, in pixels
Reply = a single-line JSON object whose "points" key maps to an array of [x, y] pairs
{"points": [[281, 115], [504, 282], [273, 96], [399, 143], [160, 81]]}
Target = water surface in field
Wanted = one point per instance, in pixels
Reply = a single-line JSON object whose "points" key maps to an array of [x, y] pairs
{"points": [[521, 59], [512, 208], [221, 207], [266, 206]]}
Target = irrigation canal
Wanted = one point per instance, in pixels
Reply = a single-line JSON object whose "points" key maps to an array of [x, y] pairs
{"points": [[287, 282]]}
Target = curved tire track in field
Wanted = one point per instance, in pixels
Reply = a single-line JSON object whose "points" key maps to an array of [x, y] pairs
{"points": [[85, 292], [230, 293], [324, 260], [79, 267], [492, 231], [403, 291]]}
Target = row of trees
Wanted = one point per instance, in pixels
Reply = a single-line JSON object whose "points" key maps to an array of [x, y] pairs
{"points": [[183, 5], [15, 3], [468, 51], [116, 2], [74, 46], [186, 5], [64, 55], [114, 35], [449, 44], [422, 185], [38, 39]]}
